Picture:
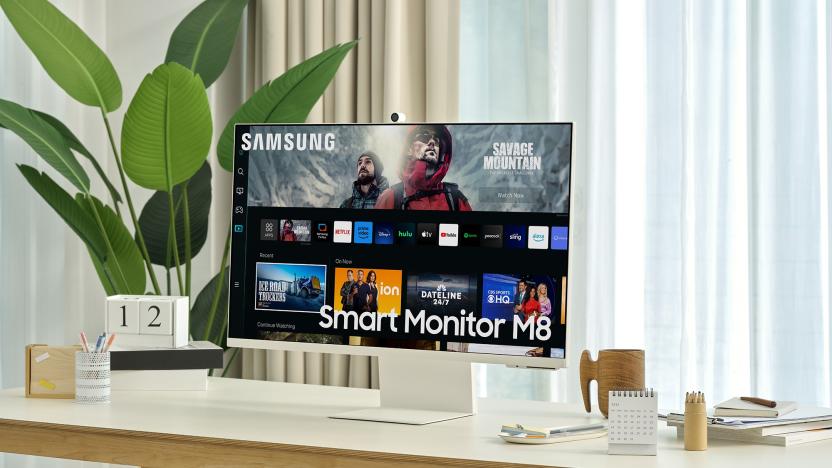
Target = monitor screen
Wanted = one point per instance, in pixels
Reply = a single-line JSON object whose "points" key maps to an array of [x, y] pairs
{"points": [[440, 237]]}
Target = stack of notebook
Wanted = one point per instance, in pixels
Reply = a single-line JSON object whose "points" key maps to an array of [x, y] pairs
{"points": [[785, 424]]}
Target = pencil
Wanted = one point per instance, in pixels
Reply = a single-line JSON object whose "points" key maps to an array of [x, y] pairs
{"points": [[84, 343], [109, 343]]}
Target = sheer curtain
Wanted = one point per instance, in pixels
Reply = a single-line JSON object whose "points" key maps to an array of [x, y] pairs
{"points": [[700, 182], [46, 280], [504, 76], [48, 287], [702, 145]]}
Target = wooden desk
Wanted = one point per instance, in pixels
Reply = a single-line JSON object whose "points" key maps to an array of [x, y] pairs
{"points": [[248, 423]]}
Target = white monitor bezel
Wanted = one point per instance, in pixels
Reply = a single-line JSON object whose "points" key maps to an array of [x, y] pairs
{"points": [[508, 360]]}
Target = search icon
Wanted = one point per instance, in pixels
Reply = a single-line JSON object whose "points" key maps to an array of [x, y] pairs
{"points": [[240, 171]]}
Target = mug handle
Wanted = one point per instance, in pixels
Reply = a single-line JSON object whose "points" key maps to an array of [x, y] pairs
{"points": [[588, 373]]}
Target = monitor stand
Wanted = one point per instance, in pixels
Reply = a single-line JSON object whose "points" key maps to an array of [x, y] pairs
{"points": [[420, 391]]}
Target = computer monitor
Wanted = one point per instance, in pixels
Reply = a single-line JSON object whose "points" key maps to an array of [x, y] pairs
{"points": [[429, 245]]}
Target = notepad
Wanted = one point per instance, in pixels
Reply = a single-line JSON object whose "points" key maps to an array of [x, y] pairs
{"points": [[633, 418], [739, 408]]}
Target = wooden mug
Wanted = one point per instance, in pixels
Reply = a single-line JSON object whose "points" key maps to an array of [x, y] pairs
{"points": [[615, 369]]}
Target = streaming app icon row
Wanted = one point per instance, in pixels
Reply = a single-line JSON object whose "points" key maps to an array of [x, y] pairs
{"points": [[446, 235], [451, 235]]}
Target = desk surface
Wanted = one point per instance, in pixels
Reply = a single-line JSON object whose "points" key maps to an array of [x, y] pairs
{"points": [[290, 420]]}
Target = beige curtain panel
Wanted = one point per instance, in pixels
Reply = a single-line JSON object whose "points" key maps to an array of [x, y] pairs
{"points": [[406, 61]]}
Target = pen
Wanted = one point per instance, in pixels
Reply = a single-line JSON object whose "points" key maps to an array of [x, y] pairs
{"points": [[560, 430], [98, 343], [759, 401], [585, 427]]}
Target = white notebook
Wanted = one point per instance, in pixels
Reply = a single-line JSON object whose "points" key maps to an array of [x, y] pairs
{"points": [[633, 423], [739, 408]]}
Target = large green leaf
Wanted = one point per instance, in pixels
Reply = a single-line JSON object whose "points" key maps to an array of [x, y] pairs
{"points": [[73, 142], [203, 40], [154, 221], [68, 55], [200, 312], [167, 128], [287, 99], [45, 140], [76, 217], [126, 266]]}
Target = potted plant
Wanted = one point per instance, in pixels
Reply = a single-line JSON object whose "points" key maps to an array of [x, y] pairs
{"points": [[165, 142]]}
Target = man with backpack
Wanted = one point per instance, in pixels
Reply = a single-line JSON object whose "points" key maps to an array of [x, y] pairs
{"points": [[427, 158]]}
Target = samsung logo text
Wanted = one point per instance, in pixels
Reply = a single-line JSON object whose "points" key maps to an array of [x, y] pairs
{"points": [[288, 142]]}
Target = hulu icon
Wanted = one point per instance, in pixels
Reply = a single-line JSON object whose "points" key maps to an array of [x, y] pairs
{"points": [[406, 233]]}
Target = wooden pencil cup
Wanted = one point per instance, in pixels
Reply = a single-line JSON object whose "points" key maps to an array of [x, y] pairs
{"points": [[615, 369], [696, 427]]}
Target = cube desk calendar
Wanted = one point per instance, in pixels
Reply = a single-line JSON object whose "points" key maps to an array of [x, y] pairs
{"points": [[633, 418], [148, 321]]}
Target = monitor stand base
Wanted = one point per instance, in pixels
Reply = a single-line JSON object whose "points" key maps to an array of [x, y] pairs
{"points": [[420, 391]]}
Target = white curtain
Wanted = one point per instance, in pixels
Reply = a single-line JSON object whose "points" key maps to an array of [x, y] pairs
{"points": [[503, 61], [48, 287], [46, 280], [504, 76], [702, 189], [700, 182], [41, 260], [406, 61]]}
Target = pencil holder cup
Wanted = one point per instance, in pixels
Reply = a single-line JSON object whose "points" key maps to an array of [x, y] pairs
{"points": [[696, 427], [92, 378]]}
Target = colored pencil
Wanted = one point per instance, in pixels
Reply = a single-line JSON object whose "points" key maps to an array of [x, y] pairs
{"points": [[84, 343], [109, 343]]}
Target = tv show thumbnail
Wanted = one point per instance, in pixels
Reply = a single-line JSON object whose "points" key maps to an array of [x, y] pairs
{"points": [[527, 296], [295, 230], [368, 290], [440, 293], [290, 287]]}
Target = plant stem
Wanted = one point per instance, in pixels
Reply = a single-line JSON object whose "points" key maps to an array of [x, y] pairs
{"points": [[230, 361], [118, 210], [187, 221], [212, 312], [168, 261], [169, 250], [107, 274], [110, 189], [110, 250], [172, 236], [129, 200]]}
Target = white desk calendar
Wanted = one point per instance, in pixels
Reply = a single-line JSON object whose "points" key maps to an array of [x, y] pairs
{"points": [[151, 321], [633, 416]]}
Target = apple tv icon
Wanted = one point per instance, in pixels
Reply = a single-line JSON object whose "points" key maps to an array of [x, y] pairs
{"points": [[426, 233]]}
